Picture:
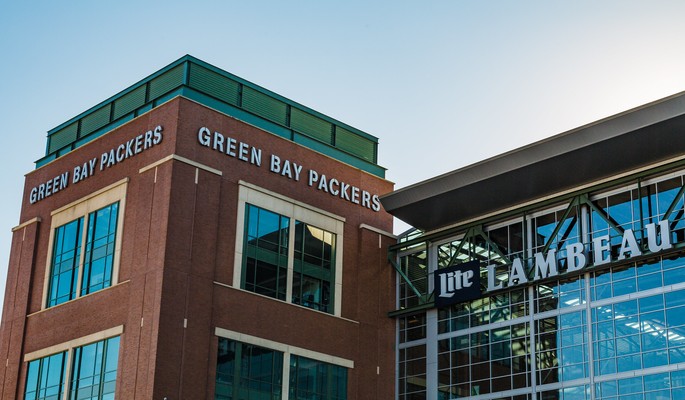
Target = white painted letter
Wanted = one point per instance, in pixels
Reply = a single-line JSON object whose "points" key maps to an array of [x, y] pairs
{"points": [[664, 233], [313, 177], [517, 275], [629, 245], [575, 258], [546, 267], [599, 246], [491, 279], [275, 164]]}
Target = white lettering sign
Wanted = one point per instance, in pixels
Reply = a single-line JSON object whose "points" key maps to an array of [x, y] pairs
{"points": [[107, 159], [289, 169], [451, 282], [546, 265]]}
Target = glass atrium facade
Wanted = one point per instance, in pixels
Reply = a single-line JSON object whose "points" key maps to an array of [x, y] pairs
{"points": [[613, 330]]}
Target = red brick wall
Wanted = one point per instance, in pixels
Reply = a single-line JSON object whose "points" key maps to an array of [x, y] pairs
{"points": [[178, 240]]}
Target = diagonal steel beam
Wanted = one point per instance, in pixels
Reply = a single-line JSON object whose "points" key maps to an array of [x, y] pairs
{"points": [[674, 203], [572, 204], [405, 278], [479, 231], [585, 199]]}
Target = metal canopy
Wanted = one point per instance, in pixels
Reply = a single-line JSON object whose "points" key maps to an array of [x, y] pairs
{"points": [[639, 137]]}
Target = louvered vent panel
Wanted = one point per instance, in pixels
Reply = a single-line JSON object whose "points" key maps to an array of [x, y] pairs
{"points": [[355, 144], [264, 105], [129, 102], [95, 120], [63, 137], [213, 84], [166, 82], [310, 125]]}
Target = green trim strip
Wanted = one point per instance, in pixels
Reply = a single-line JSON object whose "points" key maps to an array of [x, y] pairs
{"points": [[226, 93]]}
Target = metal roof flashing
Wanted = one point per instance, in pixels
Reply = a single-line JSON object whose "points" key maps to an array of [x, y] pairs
{"points": [[220, 90], [551, 165]]}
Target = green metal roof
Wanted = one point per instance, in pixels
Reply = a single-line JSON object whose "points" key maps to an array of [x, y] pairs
{"points": [[226, 93]]}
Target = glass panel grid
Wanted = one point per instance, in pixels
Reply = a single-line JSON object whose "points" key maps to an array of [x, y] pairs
{"points": [[412, 327], [98, 263], [93, 373], [45, 377], [560, 295], [314, 267], [631, 332], [99, 256], [412, 373], [634, 278], [545, 225], [489, 361], [501, 307], [266, 252], [562, 348], [415, 268], [246, 371], [640, 333], [659, 386], [311, 379], [66, 253]]}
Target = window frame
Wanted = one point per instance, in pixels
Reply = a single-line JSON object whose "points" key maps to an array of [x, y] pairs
{"points": [[295, 211], [81, 208], [287, 351], [69, 348]]}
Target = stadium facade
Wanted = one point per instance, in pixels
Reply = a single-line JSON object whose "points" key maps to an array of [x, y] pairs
{"points": [[554, 271], [198, 236]]}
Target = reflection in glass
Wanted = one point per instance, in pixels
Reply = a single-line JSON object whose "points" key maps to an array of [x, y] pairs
{"points": [[415, 268], [266, 252], [484, 362], [99, 253], [314, 267], [65, 262], [412, 373], [246, 371], [311, 379], [45, 377]]}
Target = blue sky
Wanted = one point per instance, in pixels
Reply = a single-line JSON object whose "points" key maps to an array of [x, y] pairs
{"points": [[443, 84]]}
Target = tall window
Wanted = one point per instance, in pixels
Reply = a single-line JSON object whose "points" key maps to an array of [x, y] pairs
{"points": [[249, 371], [98, 257], [314, 250], [84, 251], [289, 251], [65, 262], [99, 253], [311, 379], [45, 377], [266, 252], [267, 259], [245, 371], [93, 373]]}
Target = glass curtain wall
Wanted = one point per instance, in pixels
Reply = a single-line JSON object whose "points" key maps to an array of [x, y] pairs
{"points": [[615, 331]]}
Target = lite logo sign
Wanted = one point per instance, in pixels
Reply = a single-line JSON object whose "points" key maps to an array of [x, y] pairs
{"points": [[457, 284]]}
